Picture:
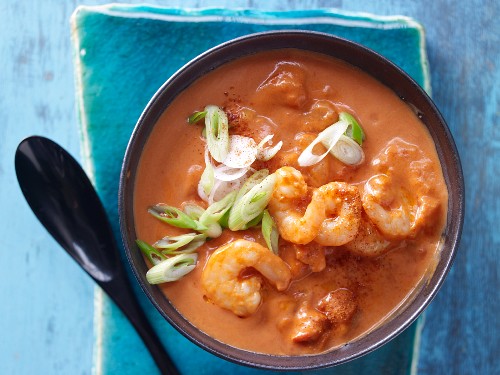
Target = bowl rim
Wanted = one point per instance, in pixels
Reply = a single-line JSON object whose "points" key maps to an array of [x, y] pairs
{"points": [[298, 39]]}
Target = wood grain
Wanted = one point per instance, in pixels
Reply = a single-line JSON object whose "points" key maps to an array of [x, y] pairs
{"points": [[47, 302]]}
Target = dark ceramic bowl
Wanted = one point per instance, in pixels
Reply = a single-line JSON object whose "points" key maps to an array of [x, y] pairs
{"points": [[380, 68]]}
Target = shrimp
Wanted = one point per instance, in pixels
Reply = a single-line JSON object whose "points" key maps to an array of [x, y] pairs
{"points": [[221, 276], [309, 325], [322, 114], [284, 86], [368, 241], [395, 222], [398, 200], [343, 201], [339, 305], [311, 254], [289, 191]]}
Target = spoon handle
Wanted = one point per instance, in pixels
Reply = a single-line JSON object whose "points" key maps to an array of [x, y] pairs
{"points": [[120, 290], [64, 200]]}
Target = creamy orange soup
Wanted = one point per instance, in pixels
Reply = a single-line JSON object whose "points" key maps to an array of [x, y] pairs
{"points": [[337, 293]]}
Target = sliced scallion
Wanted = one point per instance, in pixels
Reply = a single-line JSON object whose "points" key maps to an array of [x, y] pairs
{"points": [[267, 153], [251, 204], [242, 152], [254, 222], [251, 181], [223, 221], [197, 116], [270, 232], [216, 124], [172, 269], [153, 255], [175, 217], [354, 131], [207, 180], [223, 188], [211, 216], [176, 242], [224, 173], [348, 151], [214, 230], [330, 135], [193, 210], [189, 248], [215, 189], [215, 211]]}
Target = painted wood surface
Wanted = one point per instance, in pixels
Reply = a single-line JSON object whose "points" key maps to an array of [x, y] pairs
{"points": [[46, 309]]}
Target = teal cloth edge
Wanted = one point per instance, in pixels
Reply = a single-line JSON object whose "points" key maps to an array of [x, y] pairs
{"points": [[106, 313], [375, 20], [361, 19]]}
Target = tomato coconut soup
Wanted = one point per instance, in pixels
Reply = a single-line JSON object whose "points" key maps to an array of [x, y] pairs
{"points": [[287, 203]]}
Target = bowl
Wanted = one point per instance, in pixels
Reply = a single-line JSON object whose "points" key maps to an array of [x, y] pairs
{"points": [[376, 66]]}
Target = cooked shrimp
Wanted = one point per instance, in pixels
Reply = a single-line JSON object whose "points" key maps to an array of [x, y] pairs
{"points": [[344, 205], [311, 254], [398, 205], [322, 114], [396, 221], [309, 324], [221, 276], [289, 191], [368, 241], [339, 305], [284, 86]]}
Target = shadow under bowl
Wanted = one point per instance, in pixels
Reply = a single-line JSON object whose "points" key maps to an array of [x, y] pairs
{"points": [[385, 72]]}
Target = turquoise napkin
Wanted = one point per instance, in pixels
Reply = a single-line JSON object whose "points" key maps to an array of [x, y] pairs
{"points": [[122, 55]]}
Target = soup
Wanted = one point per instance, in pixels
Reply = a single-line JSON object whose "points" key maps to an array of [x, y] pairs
{"points": [[355, 236]]}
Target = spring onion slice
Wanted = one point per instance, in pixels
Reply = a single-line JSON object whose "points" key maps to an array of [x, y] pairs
{"points": [[331, 134], [215, 211], [172, 269], [197, 116], [214, 230], [267, 153], [223, 188], [193, 210], [270, 232], [217, 127], [211, 197], [175, 217], [251, 181], [153, 255], [224, 220], [254, 222], [354, 131], [188, 249], [207, 180], [348, 151], [242, 152], [224, 173], [210, 218], [175, 242], [251, 204]]}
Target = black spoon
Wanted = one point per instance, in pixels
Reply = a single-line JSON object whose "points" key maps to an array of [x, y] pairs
{"points": [[64, 200]]}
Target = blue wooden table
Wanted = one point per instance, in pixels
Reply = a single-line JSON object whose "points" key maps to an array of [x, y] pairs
{"points": [[46, 301]]}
